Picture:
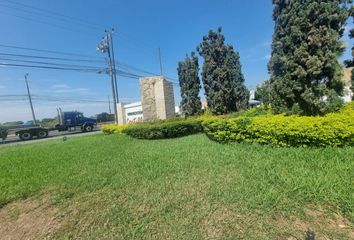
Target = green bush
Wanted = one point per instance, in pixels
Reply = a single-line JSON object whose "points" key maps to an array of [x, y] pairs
{"points": [[164, 130], [113, 128], [336, 129], [254, 112]]}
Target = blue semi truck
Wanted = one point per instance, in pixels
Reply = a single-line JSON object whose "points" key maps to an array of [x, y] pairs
{"points": [[67, 121]]}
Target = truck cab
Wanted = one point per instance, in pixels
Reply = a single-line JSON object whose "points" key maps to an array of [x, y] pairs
{"points": [[69, 120]]}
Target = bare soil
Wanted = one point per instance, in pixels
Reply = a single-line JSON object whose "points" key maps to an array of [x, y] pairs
{"points": [[28, 219]]}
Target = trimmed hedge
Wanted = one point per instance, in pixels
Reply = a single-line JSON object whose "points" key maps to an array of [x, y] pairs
{"points": [[164, 130], [113, 128], [336, 129]]}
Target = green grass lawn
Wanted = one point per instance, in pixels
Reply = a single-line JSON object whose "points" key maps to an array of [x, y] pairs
{"points": [[115, 187]]}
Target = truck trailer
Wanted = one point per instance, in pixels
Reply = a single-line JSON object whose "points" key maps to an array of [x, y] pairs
{"points": [[67, 121]]}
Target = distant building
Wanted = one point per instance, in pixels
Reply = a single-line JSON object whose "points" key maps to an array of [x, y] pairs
{"points": [[348, 94], [157, 102], [252, 102]]}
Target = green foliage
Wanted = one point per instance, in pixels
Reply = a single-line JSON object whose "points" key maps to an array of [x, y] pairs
{"points": [[352, 86], [12, 124], [189, 82], [222, 77], [263, 93], [253, 112], [123, 188], [49, 122], [104, 117], [304, 65], [113, 128], [350, 63], [164, 130], [336, 129]]}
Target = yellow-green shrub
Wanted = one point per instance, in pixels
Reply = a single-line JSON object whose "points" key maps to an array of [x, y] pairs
{"points": [[113, 128], [336, 129]]}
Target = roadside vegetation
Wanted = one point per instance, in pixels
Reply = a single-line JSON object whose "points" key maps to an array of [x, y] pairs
{"points": [[114, 186], [265, 173], [257, 125]]}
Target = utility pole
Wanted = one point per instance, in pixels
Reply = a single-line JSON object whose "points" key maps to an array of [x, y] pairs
{"points": [[114, 64], [109, 105], [105, 47], [30, 100], [159, 51]]}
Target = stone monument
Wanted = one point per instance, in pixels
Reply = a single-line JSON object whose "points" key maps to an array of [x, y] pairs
{"points": [[157, 98]]}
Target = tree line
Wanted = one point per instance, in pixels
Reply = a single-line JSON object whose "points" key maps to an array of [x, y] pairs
{"points": [[305, 72]]}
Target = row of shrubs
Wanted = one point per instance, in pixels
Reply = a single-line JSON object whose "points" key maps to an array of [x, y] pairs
{"points": [[164, 130], [254, 126], [113, 128], [336, 129], [168, 129]]}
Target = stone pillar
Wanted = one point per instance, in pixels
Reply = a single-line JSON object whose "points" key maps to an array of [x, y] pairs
{"points": [[121, 114], [157, 98]]}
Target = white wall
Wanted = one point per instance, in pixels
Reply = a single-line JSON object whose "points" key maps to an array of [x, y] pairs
{"points": [[133, 112]]}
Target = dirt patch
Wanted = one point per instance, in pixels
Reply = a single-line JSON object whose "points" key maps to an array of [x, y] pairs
{"points": [[326, 225], [28, 219], [221, 222]]}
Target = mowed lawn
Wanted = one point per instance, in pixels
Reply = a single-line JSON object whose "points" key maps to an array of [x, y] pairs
{"points": [[115, 187]]}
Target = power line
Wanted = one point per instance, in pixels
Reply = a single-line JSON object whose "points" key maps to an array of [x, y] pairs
{"points": [[62, 16], [47, 23], [69, 68], [72, 20], [49, 51], [127, 66], [51, 64], [120, 64], [13, 95], [58, 99], [50, 58], [50, 67], [78, 21], [46, 15]]}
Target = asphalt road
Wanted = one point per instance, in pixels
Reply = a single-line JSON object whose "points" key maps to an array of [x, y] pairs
{"points": [[14, 140]]}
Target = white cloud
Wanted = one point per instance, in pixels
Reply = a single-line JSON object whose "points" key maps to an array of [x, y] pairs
{"points": [[347, 29], [267, 57], [266, 44], [64, 88]]}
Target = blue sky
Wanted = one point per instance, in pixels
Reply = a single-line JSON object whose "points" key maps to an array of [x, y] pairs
{"points": [[177, 27]]}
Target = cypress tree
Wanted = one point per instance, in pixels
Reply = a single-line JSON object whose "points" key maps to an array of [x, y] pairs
{"points": [[222, 77], [304, 67], [350, 63], [189, 82]]}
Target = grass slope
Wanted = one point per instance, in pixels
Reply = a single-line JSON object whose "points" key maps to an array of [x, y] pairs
{"points": [[187, 188]]}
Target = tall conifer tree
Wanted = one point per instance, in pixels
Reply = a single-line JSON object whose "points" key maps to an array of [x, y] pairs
{"points": [[350, 63], [222, 77], [189, 82], [304, 67]]}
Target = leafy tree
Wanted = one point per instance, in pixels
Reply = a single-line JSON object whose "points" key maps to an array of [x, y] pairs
{"points": [[49, 122], [263, 92], [104, 117], [350, 63], [189, 82], [222, 77], [304, 67], [12, 124]]}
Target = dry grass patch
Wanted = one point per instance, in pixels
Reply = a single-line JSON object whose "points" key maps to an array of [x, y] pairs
{"points": [[326, 224], [33, 218]]}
